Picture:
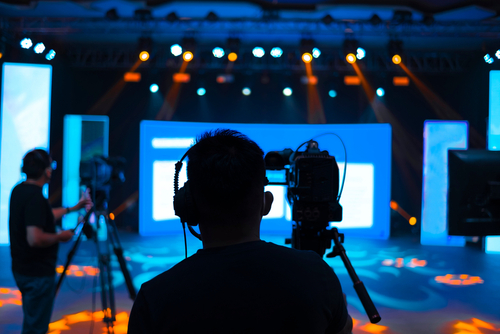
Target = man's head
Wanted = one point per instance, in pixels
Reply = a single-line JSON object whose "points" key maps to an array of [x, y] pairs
{"points": [[37, 164], [227, 176]]}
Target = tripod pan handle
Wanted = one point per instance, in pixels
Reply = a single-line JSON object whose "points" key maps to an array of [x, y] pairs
{"points": [[368, 305]]}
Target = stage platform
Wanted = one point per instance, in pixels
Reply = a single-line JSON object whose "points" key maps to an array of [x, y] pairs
{"points": [[417, 289]]}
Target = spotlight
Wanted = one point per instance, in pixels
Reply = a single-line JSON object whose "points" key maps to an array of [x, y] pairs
{"points": [[258, 52], [380, 92], [396, 59], [332, 93], [218, 52], [412, 221], [153, 88], [26, 43], [144, 55], [39, 48], [232, 56], [351, 58], [488, 59], [176, 50], [307, 57], [246, 91], [316, 53], [497, 54], [50, 55], [201, 91], [360, 53], [187, 56], [287, 91], [276, 52]]}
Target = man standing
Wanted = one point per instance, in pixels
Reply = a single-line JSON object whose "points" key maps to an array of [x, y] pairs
{"points": [[237, 283], [34, 241]]}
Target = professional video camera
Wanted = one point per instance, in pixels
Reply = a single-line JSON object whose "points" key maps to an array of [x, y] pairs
{"points": [[312, 180], [99, 174]]}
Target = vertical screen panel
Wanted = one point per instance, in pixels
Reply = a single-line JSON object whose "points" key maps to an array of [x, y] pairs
{"points": [[25, 123], [439, 137], [492, 244], [366, 194]]}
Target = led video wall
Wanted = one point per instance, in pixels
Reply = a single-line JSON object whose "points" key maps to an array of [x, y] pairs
{"points": [[366, 194]]}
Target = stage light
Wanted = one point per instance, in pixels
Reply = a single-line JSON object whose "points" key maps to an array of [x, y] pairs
{"points": [[26, 43], [396, 59], [153, 88], [497, 54], [276, 52], [144, 55], [218, 52], [39, 48], [351, 58], [488, 59], [176, 50], [307, 57], [187, 56], [258, 52], [412, 221], [232, 56], [246, 91], [316, 53], [394, 205], [360, 53], [380, 92], [50, 55], [201, 91], [112, 216], [287, 91], [332, 93]]}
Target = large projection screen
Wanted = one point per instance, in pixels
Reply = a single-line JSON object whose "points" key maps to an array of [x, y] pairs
{"points": [[366, 194]]}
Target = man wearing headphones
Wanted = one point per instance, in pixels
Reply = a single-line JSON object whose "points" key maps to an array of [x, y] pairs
{"points": [[237, 283], [34, 240]]}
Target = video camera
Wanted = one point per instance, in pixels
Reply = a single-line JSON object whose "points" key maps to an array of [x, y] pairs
{"points": [[312, 180]]}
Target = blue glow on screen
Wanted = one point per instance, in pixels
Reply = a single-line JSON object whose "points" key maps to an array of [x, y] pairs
{"points": [[366, 195], [25, 123]]}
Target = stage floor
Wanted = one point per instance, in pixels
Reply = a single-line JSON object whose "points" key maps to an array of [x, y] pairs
{"points": [[417, 289]]}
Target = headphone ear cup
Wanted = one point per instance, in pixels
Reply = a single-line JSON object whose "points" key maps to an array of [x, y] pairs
{"points": [[184, 206]]}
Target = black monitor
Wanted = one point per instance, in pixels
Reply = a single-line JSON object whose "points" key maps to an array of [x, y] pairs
{"points": [[473, 192]]}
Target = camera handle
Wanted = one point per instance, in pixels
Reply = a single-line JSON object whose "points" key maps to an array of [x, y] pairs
{"points": [[338, 249]]}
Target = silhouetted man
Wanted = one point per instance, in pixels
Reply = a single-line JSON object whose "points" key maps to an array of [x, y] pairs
{"points": [[238, 283]]}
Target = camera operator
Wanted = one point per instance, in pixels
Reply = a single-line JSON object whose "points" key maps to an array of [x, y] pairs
{"points": [[34, 240], [238, 283]]}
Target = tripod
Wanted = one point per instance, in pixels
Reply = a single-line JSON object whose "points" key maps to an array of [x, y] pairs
{"points": [[308, 237], [104, 260]]}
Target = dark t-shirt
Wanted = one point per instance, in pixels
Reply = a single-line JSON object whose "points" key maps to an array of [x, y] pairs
{"points": [[253, 287], [28, 207]]}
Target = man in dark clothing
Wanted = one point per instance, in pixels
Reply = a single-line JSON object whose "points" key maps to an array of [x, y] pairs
{"points": [[238, 283], [34, 240]]}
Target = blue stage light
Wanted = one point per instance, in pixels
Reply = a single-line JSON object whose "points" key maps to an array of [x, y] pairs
{"points": [[218, 52], [380, 92], [276, 52], [176, 50], [258, 52], [201, 91], [246, 91], [26, 43], [360, 53], [287, 91], [153, 88], [488, 59], [316, 52], [332, 93], [39, 48], [50, 55]]}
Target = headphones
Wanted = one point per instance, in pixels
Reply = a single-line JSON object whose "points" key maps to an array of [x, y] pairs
{"points": [[184, 206], [37, 157]]}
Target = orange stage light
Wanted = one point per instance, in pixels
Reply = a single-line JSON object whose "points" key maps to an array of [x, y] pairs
{"points": [[394, 205], [351, 58], [144, 55], [396, 59], [187, 56], [352, 80], [232, 56], [1, 55], [412, 221], [307, 57], [112, 216], [401, 81], [181, 77], [132, 77]]}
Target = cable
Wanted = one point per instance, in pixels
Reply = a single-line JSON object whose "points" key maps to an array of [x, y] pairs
{"points": [[185, 240]]}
